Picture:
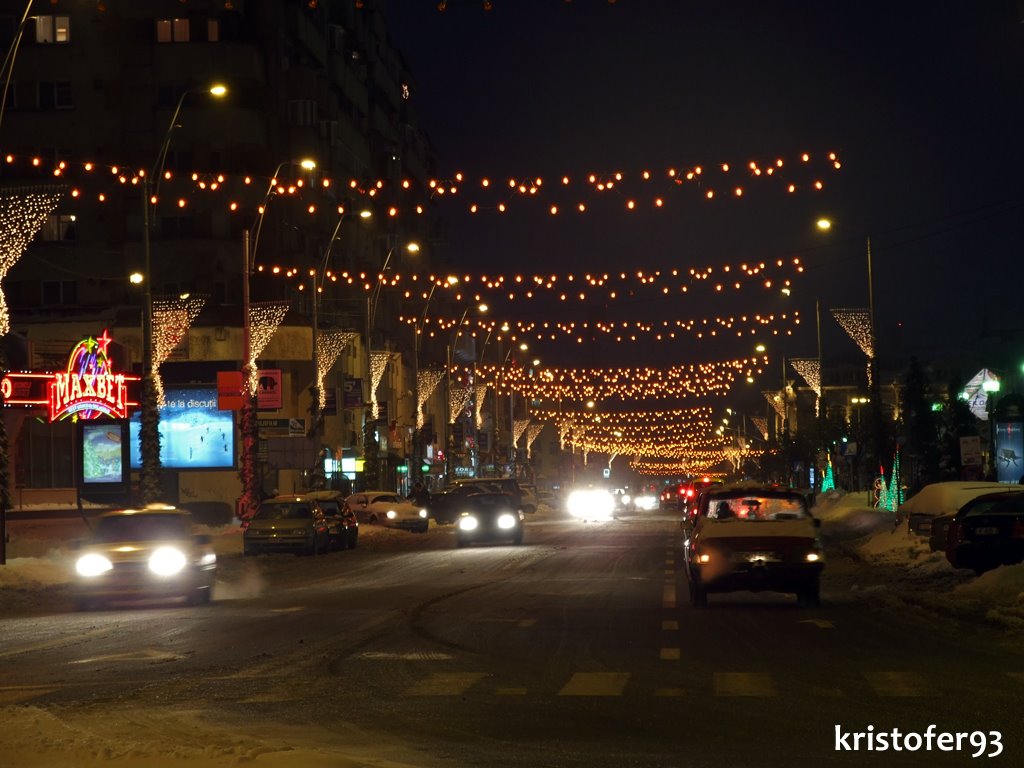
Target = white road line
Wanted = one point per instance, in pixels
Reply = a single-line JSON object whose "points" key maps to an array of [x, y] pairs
{"points": [[668, 596], [670, 654], [445, 684], [743, 684], [595, 684], [896, 683], [670, 625]]}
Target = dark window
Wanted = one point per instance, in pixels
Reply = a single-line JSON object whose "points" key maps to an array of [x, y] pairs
{"points": [[58, 227], [59, 292], [55, 95]]}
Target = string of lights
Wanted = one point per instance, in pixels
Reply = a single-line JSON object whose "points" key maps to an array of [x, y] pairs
{"points": [[330, 344], [426, 382], [378, 364], [264, 319], [22, 212], [172, 317]]}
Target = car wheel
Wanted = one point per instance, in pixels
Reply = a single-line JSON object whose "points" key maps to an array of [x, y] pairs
{"points": [[698, 596], [810, 595], [530, 509], [518, 538], [200, 596], [353, 540]]}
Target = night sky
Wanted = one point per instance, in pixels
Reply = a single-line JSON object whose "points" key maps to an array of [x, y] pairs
{"points": [[922, 102]]}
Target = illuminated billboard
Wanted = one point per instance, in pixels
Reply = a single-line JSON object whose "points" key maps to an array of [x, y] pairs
{"points": [[194, 433], [102, 453]]}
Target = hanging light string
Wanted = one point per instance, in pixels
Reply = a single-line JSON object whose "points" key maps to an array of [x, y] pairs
{"points": [[647, 188], [172, 317], [23, 210]]}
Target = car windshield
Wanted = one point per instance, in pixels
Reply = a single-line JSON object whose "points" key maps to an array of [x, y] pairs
{"points": [[757, 507], [386, 499], [142, 528], [285, 511], [998, 506]]}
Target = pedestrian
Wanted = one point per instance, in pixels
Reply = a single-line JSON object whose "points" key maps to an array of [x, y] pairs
{"points": [[420, 494]]}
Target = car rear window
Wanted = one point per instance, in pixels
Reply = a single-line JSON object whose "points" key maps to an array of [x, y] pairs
{"points": [[141, 528], [1012, 506], [285, 512], [757, 507]]}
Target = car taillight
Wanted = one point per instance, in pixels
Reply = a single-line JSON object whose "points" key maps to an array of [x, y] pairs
{"points": [[689, 491], [1018, 530], [955, 534]]}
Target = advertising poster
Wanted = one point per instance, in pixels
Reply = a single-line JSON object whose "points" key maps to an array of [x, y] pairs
{"points": [[194, 432], [1009, 451], [101, 453]]}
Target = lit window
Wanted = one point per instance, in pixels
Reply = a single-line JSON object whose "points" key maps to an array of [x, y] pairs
{"points": [[57, 227], [213, 31], [53, 29], [172, 30]]}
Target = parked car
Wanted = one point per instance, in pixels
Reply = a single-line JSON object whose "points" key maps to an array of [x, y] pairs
{"points": [[753, 537], [691, 492], [144, 553], [938, 499], [388, 509], [490, 517], [288, 524], [987, 532]]}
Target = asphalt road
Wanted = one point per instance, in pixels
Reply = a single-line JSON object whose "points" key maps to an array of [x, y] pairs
{"points": [[576, 649]]}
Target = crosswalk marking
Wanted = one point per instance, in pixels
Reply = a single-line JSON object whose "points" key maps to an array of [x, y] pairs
{"points": [[510, 691], [670, 654], [895, 683], [670, 626], [445, 684], [743, 684], [595, 684], [668, 692]]}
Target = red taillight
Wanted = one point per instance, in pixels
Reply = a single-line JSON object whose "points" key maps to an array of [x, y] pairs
{"points": [[1018, 530], [689, 491]]}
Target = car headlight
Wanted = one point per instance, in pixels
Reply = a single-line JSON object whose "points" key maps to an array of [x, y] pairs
{"points": [[392, 514], [167, 561], [92, 565], [814, 557], [468, 523], [208, 559], [591, 504], [423, 514], [507, 521], [626, 498]]}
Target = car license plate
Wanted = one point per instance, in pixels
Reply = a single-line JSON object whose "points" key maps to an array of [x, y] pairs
{"points": [[986, 530]]}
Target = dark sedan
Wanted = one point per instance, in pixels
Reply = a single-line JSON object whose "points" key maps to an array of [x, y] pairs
{"points": [[987, 532], [489, 517]]}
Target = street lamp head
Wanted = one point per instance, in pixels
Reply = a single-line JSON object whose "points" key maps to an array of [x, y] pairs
{"points": [[135, 278], [413, 247], [524, 346], [308, 164], [453, 279], [365, 213], [218, 90], [824, 224], [483, 308]]}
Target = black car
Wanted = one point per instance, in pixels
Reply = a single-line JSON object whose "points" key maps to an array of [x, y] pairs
{"points": [[489, 517], [987, 532], [446, 507]]}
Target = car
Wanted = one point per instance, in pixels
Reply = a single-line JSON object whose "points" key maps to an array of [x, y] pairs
{"points": [[671, 496], [294, 523], [691, 491], [148, 553], [389, 509], [341, 522], [987, 532], [445, 507], [591, 504], [530, 497], [938, 499], [489, 517], [753, 537], [509, 485]]}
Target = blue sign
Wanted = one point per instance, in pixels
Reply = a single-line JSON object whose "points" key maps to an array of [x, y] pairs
{"points": [[194, 433]]}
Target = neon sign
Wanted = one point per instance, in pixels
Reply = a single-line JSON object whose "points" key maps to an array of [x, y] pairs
{"points": [[88, 389]]}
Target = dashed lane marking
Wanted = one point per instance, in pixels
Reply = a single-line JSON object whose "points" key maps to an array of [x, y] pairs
{"points": [[595, 684], [896, 684], [819, 623], [670, 654], [526, 623], [743, 684], [668, 596], [445, 684], [670, 626]]}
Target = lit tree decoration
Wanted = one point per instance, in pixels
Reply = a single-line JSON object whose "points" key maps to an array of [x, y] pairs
{"points": [[457, 400], [426, 383], [810, 370], [378, 364], [479, 395], [564, 427], [762, 426], [532, 433], [857, 324], [828, 483], [264, 320], [893, 492], [22, 212], [735, 456], [172, 317], [329, 345]]}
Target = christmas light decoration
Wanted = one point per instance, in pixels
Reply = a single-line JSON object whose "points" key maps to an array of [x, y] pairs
{"points": [[378, 364], [828, 483], [762, 426], [23, 210], [857, 324], [172, 317], [776, 401], [518, 427], [458, 399], [479, 395], [329, 346], [264, 320], [810, 370], [532, 433], [426, 382]]}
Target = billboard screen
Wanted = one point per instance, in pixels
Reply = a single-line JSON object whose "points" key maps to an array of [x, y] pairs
{"points": [[1009, 452], [102, 460], [194, 433]]}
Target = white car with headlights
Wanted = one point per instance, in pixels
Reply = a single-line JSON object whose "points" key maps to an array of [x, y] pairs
{"points": [[489, 517], [144, 554], [588, 504], [387, 508]]}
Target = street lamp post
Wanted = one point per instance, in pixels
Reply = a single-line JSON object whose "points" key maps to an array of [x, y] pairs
{"points": [[149, 437], [449, 420]]}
